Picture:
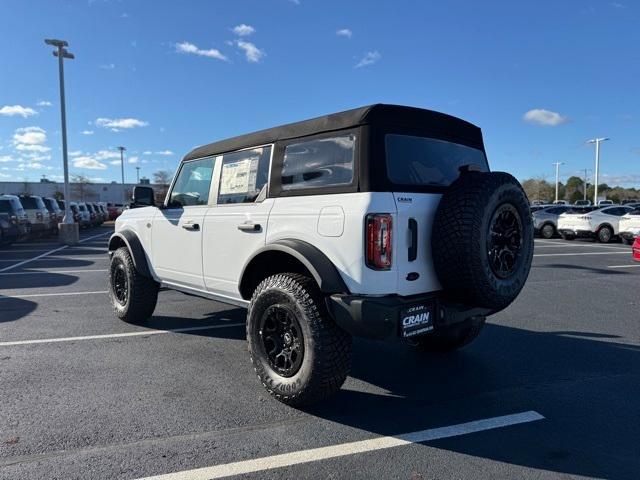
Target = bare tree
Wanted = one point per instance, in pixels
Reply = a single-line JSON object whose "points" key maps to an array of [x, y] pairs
{"points": [[162, 178], [79, 184]]}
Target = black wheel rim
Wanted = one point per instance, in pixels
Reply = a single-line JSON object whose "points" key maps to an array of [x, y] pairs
{"points": [[504, 243], [119, 282], [281, 340]]}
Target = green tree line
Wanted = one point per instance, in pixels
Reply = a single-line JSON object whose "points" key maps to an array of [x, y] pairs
{"points": [[573, 189]]}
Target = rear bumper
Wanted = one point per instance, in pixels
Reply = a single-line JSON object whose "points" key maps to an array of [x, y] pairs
{"points": [[576, 233], [379, 317]]}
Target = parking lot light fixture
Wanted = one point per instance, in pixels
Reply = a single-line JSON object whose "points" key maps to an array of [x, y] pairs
{"points": [[557, 164], [69, 233], [596, 174], [122, 149]]}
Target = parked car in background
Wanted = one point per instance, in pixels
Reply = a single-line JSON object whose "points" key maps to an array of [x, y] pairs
{"points": [[55, 212], [636, 250], [603, 224], [10, 204], [583, 203], [630, 226], [602, 203], [104, 216], [114, 209], [560, 202], [545, 220], [38, 214], [84, 216]]}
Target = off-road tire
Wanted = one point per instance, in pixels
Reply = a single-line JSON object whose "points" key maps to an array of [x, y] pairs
{"points": [[461, 237], [450, 338], [142, 293], [604, 235], [327, 348]]}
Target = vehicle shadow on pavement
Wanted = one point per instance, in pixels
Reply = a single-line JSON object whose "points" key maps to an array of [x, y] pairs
{"points": [[216, 319], [587, 389], [15, 308], [34, 280]]}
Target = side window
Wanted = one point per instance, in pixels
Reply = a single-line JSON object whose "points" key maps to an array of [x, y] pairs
{"points": [[193, 183], [324, 162], [243, 175]]}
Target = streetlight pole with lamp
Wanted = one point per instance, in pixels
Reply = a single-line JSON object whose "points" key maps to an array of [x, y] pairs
{"points": [[596, 174], [557, 164], [68, 230]]}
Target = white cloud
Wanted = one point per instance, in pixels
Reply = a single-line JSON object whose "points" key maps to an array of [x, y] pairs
{"points": [[243, 30], [547, 118], [252, 53], [369, 59], [44, 103], [29, 136], [106, 154], [34, 166], [32, 148], [147, 152], [5, 175], [344, 32], [74, 153], [165, 153], [114, 162], [12, 110], [187, 47], [6, 158], [107, 66], [133, 159], [116, 124], [87, 132], [89, 163]]}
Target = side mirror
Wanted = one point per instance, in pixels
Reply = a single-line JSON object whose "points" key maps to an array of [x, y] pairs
{"points": [[143, 197]]}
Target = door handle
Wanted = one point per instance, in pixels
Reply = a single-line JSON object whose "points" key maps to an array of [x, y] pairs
{"points": [[191, 226], [249, 227]]}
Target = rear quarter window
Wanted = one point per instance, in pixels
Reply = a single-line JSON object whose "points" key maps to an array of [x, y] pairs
{"points": [[427, 161]]}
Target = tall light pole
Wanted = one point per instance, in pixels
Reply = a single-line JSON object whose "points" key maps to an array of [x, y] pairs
{"points": [[137, 175], [122, 149], [557, 164], [69, 233], [596, 174]]}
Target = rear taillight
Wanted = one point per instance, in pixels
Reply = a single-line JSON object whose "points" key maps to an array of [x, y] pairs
{"points": [[39, 216], [378, 228], [13, 219]]}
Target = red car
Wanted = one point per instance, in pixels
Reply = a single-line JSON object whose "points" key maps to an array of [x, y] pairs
{"points": [[636, 250]]}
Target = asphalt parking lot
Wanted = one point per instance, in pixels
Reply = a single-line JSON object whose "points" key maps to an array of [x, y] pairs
{"points": [[549, 389]]}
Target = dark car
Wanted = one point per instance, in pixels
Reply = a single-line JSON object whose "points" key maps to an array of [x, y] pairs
{"points": [[55, 212], [11, 206], [9, 231]]}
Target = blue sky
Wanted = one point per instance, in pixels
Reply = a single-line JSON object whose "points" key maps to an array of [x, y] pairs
{"points": [[160, 77]]}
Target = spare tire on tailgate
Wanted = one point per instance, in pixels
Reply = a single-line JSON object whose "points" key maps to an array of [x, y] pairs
{"points": [[482, 239]]}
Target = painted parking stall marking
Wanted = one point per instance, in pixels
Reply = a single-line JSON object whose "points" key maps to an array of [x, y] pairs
{"points": [[352, 448]]}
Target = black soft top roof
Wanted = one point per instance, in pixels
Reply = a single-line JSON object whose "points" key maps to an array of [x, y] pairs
{"points": [[378, 114]]}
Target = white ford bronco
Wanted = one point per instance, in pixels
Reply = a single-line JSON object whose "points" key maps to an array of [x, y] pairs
{"points": [[381, 222]]}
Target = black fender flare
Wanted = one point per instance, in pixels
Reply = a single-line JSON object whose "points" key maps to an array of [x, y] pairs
{"points": [[133, 244], [322, 269]]}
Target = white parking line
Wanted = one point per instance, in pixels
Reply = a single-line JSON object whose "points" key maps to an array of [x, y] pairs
{"points": [[324, 453], [624, 266], [47, 272], [61, 294], [102, 257], [10, 267], [581, 245], [580, 253], [117, 335]]}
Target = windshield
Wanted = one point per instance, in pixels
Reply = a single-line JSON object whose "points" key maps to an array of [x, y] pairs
{"points": [[428, 161], [5, 206]]}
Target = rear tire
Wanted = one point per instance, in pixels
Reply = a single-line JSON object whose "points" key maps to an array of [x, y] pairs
{"points": [[548, 231], [132, 295], [627, 241], [567, 237], [605, 234], [450, 338], [299, 354]]}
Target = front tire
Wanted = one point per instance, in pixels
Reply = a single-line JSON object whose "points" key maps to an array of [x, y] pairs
{"points": [[132, 295], [299, 354], [548, 231], [450, 338]]}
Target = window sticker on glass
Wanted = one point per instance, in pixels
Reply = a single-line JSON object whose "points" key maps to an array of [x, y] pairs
{"points": [[238, 177]]}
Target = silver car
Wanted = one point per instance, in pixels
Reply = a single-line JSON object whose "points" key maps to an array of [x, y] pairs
{"points": [[545, 220]]}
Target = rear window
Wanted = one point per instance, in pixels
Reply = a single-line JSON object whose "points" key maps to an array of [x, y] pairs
{"points": [[82, 208], [49, 203], [29, 203], [318, 163], [428, 161], [5, 206]]}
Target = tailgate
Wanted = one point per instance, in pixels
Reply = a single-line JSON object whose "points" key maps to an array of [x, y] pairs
{"points": [[412, 244]]}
